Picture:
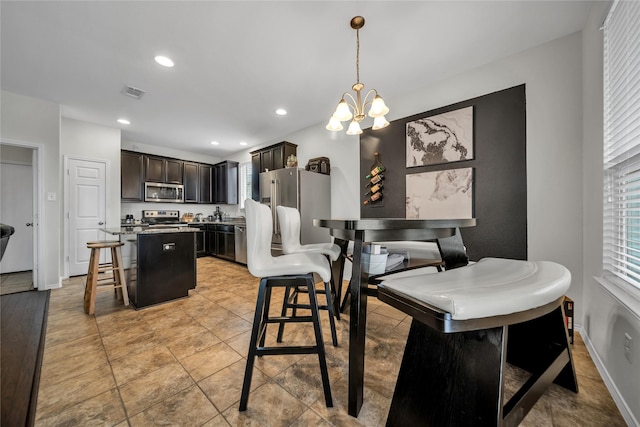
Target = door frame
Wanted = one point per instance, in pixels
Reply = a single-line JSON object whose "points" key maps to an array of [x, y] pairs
{"points": [[107, 188], [38, 207]]}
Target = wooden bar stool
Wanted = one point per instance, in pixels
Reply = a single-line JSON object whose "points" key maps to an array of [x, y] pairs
{"points": [[96, 283]]}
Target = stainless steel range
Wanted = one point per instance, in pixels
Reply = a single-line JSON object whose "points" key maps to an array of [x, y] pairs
{"points": [[162, 219]]}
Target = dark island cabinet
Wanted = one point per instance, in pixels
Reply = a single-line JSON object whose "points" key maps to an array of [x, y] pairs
{"points": [[225, 180], [163, 170], [132, 176], [269, 158], [190, 181]]}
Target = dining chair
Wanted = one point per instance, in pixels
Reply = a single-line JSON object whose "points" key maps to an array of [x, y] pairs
{"points": [[288, 271], [289, 220]]}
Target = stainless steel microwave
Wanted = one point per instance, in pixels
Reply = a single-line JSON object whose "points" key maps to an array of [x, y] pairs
{"points": [[166, 193]]}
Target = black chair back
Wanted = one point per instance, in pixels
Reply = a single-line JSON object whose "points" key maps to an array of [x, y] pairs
{"points": [[452, 251]]}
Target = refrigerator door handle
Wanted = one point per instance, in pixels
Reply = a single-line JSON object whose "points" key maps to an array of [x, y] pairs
{"points": [[274, 203]]}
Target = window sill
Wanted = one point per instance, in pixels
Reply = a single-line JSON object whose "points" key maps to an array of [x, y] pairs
{"points": [[624, 293]]}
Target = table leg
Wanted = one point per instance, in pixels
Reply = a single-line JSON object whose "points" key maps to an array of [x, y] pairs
{"points": [[337, 272], [357, 326]]}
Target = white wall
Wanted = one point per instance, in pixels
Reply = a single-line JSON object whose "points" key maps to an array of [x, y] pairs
{"points": [[89, 141], [606, 317], [30, 120]]}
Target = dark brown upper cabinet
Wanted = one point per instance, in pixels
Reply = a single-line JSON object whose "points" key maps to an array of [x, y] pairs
{"points": [[190, 181], [269, 158], [131, 176], [205, 189], [163, 170], [173, 171], [225, 180]]}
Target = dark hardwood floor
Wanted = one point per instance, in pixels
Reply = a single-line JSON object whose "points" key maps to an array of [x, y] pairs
{"points": [[23, 320]]}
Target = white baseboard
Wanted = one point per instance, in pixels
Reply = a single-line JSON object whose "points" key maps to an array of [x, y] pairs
{"points": [[608, 381], [51, 285]]}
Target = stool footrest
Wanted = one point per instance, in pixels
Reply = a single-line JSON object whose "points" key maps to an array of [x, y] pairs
{"points": [[270, 351], [297, 319]]}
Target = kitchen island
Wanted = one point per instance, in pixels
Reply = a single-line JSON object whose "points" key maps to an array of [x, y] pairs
{"points": [[163, 263]]}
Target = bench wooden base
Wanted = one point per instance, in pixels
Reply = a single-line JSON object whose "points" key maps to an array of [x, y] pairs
{"points": [[452, 373]]}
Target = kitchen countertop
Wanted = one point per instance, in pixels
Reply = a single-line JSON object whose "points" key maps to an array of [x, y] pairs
{"points": [[145, 230], [237, 221]]}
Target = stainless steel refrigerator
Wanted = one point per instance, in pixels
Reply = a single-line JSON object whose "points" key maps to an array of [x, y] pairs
{"points": [[309, 192]]}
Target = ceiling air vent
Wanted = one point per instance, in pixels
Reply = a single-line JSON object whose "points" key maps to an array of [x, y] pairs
{"points": [[133, 92]]}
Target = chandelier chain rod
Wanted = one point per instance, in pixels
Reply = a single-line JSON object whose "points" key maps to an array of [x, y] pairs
{"points": [[357, 56]]}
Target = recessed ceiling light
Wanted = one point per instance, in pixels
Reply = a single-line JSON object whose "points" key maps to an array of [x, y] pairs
{"points": [[124, 122], [164, 61], [215, 143], [243, 143], [281, 112]]}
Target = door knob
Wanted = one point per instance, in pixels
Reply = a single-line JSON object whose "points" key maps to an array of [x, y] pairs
{"points": [[101, 223], [29, 224]]}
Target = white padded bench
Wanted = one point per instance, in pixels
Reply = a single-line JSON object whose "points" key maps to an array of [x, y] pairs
{"points": [[467, 324]]}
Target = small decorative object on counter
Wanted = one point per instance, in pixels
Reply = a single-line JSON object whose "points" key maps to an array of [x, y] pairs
{"points": [[292, 161], [374, 198]]}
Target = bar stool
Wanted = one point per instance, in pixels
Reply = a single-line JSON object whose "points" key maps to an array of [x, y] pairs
{"points": [[467, 324], [115, 281], [289, 220], [282, 271]]}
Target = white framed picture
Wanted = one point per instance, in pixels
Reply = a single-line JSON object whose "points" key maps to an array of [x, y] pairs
{"points": [[445, 194], [443, 138]]}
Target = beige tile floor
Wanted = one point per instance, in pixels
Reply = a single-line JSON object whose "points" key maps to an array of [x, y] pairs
{"points": [[182, 363]]}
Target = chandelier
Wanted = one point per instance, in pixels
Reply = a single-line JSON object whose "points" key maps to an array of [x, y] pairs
{"points": [[350, 108]]}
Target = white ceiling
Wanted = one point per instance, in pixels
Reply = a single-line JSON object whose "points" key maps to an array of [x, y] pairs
{"points": [[237, 61]]}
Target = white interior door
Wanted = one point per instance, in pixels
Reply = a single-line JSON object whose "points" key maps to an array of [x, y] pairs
{"points": [[87, 210], [16, 210]]}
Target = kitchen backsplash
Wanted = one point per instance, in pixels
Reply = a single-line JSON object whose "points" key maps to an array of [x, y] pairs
{"points": [[136, 209]]}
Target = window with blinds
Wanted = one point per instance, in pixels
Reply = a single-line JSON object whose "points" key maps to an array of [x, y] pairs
{"points": [[621, 255], [245, 182]]}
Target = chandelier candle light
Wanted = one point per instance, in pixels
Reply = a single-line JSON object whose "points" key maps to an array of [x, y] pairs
{"points": [[358, 104]]}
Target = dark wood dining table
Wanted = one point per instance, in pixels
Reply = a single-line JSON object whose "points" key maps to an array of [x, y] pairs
{"points": [[361, 231]]}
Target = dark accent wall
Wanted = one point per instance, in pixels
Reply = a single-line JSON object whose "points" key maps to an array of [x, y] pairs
{"points": [[499, 166]]}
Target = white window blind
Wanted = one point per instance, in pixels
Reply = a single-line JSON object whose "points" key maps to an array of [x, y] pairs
{"points": [[245, 183], [622, 142]]}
